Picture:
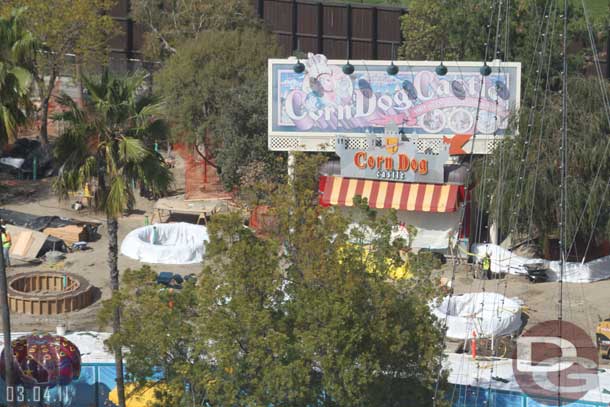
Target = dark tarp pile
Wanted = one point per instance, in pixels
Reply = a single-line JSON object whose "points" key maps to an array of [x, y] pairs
{"points": [[28, 150], [40, 223]]}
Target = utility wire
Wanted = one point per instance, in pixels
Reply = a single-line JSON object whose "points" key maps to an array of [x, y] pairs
{"points": [[564, 181]]}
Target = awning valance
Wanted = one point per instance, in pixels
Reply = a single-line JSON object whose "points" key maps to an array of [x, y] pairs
{"points": [[385, 195]]}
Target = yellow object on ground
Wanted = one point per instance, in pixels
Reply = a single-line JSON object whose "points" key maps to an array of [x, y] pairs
{"points": [[144, 397], [395, 272]]}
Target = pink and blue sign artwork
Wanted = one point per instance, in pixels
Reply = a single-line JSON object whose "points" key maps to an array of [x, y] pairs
{"points": [[324, 100]]}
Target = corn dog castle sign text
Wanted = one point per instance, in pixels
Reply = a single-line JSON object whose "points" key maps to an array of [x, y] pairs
{"points": [[392, 159]]}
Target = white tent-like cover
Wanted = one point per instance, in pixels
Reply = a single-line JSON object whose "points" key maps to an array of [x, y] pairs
{"points": [[487, 314], [172, 243], [504, 261]]}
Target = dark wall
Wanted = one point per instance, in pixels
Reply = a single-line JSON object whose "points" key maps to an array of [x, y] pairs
{"points": [[334, 29]]}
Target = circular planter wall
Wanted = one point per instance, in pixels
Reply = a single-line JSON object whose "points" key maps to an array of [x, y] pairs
{"points": [[48, 293]]}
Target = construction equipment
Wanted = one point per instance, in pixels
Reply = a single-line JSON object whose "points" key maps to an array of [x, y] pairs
{"points": [[602, 336]]}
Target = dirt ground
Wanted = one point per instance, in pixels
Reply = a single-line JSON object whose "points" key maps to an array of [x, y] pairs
{"points": [[583, 304], [36, 197]]}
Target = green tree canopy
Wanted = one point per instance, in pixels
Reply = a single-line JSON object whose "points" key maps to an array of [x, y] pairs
{"points": [[526, 194], [105, 144], [168, 24], [17, 47], [303, 318], [216, 95], [64, 29]]}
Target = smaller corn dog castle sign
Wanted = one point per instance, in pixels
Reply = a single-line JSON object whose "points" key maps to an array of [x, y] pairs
{"points": [[392, 158]]}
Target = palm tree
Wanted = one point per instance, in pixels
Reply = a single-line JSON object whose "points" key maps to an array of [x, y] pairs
{"points": [[17, 49], [107, 143]]}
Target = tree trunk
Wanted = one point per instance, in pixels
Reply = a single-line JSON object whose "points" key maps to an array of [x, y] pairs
{"points": [[45, 93], [79, 77], [6, 330], [113, 227], [43, 136]]}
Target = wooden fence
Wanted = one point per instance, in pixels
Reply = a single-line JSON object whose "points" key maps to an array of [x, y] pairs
{"points": [[336, 30]]}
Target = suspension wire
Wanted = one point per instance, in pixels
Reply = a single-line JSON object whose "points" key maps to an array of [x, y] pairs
{"points": [[468, 179], [606, 104], [564, 170], [604, 96], [546, 52], [533, 56], [522, 163], [513, 218], [540, 62], [596, 220]]}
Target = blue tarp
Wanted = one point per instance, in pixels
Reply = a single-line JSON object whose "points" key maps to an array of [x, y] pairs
{"points": [[469, 396], [97, 380]]}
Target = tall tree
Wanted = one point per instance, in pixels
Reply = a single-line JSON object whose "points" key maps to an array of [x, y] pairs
{"points": [[536, 212], [224, 75], [168, 24], [461, 29], [302, 318], [17, 47], [70, 33], [105, 143]]}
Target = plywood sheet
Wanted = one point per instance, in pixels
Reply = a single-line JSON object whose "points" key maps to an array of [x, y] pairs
{"points": [[26, 242], [21, 242]]}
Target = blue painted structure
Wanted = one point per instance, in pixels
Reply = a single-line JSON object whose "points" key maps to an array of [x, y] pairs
{"points": [[469, 396], [98, 379]]}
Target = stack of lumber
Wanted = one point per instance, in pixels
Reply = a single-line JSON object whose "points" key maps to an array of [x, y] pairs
{"points": [[69, 234]]}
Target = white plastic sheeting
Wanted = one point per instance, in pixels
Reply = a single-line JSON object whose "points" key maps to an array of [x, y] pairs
{"points": [[12, 161], [171, 243], [503, 261], [487, 314], [434, 230]]}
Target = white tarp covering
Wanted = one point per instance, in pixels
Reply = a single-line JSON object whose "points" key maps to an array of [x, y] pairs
{"points": [[487, 314], [434, 230], [12, 161], [166, 243], [503, 261]]}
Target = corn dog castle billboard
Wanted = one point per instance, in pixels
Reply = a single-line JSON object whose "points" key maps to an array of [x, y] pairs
{"points": [[310, 107]]}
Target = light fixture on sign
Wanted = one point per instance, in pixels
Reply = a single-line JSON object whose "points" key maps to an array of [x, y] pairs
{"points": [[392, 70]]}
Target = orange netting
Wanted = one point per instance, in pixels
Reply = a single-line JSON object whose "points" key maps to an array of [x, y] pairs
{"points": [[201, 181]]}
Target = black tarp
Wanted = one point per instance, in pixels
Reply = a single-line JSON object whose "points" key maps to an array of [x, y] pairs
{"points": [[29, 149], [34, 222]]}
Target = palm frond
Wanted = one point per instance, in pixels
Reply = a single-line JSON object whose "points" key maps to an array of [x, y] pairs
{"points": [[131, 150], [23, 79], [68, 180], [9, 121], [73, 113], [118, 198], [154, 174], [109, 138]]}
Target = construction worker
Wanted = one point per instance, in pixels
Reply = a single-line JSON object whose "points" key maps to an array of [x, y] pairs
{"points": [[86, 201], [486, 265], [6, 245]]}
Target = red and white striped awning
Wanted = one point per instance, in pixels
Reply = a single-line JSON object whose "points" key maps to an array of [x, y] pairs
{"points": [[385, 195]]}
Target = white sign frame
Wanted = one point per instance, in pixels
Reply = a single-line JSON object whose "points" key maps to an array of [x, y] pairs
{"points": [[325, 141]]}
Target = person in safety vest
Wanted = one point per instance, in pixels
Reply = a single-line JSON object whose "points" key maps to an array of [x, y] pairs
{"points": [[486, 263], [6, 245]]}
